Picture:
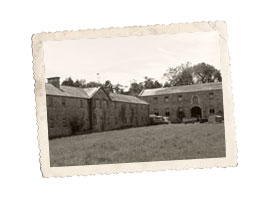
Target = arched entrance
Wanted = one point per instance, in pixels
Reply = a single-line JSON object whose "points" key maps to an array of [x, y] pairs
{"points": [[196, 112]]}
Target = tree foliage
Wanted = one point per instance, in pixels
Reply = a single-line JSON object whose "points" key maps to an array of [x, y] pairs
{"points": [[180, 75], [108, 86], [148, 83], [186, 74], [205, 73]]}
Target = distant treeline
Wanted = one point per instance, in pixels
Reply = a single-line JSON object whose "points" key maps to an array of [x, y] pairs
{"points": [[185, 74]]}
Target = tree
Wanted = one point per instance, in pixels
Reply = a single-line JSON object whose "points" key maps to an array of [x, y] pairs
{"points": [[93, 84], [80, 83], [150, 83], [108, 86], [166, 84], [135, 88], [186, 74], [179, 75], [205, 73], [68, 82], [118, 88]]}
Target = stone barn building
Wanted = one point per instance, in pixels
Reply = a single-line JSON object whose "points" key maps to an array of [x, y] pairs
{"points": [[72, 110], [188, 101]]}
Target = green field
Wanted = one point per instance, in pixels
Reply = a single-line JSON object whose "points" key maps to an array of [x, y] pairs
{"points": [[143, 144]]}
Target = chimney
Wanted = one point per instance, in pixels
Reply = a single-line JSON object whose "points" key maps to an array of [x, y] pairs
{"points": [[55, 81]]}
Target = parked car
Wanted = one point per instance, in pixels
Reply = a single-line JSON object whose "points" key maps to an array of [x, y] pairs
{"points": [[156, 119], [215, 119], [167, 120], [189, 120]]}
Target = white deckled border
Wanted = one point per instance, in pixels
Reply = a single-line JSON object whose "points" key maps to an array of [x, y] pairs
{"points": [[39, 75]]}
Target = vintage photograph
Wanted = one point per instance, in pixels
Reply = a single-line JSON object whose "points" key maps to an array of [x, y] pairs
{"points": [[134, 98]]}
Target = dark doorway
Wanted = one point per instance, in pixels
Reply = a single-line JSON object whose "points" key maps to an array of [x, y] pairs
{"points": [[196, 112]]}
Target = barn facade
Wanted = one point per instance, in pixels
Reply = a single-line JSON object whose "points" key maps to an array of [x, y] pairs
{"points": [[188, 101], [72, 110]]}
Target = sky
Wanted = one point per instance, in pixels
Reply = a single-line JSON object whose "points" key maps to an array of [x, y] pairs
{"points": [[125, 59]]}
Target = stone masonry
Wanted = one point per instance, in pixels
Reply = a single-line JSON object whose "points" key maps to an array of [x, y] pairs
{"points": [[192, 101], [93, 109]]}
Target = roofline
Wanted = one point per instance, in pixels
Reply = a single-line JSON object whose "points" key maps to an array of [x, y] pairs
{"points": [[87, 98], [146, 103], [202, 90], [140, 94], [67, 96], [182, 92], [98, 88], [130, 102]]}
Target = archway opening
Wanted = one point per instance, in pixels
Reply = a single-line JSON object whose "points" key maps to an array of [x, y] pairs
{"points": [[196, 112]]}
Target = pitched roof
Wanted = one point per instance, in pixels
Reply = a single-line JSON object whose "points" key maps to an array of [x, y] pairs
{"points": [[182, 89], [126, 98], [69, 91], [91, 91]]}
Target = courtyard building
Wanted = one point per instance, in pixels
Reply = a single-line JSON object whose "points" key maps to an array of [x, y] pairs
{"points": [[188, 101], [72, 110]]}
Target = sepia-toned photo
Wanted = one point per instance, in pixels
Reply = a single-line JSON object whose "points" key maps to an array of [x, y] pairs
{"points": [[134, 99]]}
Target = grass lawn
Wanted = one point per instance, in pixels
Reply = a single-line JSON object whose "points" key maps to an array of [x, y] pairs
{"points": [[143, 144]]}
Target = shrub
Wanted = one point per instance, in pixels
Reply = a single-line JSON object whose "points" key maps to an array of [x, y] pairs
{"points": [[76, 124]]}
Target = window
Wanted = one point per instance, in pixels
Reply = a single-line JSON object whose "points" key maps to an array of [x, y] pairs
{"points": [[116, 120], [50, 102], [125, 120], [180, 98], [212, 111], [142, 119], [51, 123], [64, 122], [115, 104], [63, 102], [104, 103], [100, 103], [97, 103], [180, 113], [211, 95], [156, 112], [195, 100], [166, 99], [155, 100], [81, 103], [167, 112]]}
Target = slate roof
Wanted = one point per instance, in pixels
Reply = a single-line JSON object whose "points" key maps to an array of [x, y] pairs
{"points": [[69, 91], [126, 98], [181, 89]]}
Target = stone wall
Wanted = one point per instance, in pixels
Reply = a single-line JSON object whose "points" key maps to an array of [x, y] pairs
{"points": [[61, 111], [210, 102], [109, 115], [97, 114]]}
